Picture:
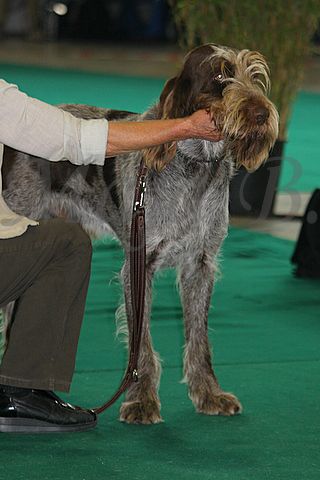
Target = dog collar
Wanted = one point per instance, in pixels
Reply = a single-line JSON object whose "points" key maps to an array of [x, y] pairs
{"points": [[215, 162]]}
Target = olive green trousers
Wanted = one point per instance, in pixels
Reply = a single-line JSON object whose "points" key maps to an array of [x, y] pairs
{"points": [[46, 272]]}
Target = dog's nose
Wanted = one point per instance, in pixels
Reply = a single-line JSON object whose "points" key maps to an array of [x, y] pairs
{"points": [[261, 115]]}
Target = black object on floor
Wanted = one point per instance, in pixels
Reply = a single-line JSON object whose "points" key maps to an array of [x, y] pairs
{"points": [[306, 255]]}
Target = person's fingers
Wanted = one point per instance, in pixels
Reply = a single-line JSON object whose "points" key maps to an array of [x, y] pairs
{"points": [[205, 126]]}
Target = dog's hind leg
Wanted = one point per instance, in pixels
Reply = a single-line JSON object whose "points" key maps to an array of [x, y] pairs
{"points": [[142, 404], [196, 278]]}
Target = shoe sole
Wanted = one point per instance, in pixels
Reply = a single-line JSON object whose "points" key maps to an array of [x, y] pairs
{"points": [[29, 425]]}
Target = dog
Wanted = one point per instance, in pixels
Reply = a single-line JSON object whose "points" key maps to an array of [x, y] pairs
{"points": [[186, 204]]}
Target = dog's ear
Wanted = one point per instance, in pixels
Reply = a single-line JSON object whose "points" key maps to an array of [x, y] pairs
{"points": [[176, 101], [166, 99], [176, 97], [157, 158], [193, 87]]}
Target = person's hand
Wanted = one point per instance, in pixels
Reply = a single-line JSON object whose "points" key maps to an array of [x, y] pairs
{"points": [[203, 126]]}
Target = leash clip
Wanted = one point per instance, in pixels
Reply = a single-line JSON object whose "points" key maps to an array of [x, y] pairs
{"points": [[135, 376], [140, 194]]}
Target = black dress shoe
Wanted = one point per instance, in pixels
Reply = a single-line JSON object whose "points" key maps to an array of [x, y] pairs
{"points": [[37, 411]]}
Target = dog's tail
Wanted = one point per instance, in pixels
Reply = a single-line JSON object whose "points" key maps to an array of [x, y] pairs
{"points": [[5, 321], [121, 324]]}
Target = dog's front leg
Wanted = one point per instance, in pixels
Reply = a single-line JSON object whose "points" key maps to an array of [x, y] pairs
{"points": [[142, 403], [196, 283]]}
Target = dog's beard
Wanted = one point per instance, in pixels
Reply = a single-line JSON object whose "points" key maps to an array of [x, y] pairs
{"points": [[249, 152], [248, 143]]}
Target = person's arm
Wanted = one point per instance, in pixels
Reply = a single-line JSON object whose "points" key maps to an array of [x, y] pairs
{"points": [[128, 136], [40, 129]]}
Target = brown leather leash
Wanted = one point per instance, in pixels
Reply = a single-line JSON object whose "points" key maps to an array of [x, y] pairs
{"points": [[137, 285]]}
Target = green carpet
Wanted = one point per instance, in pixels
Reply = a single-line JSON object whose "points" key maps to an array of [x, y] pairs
{"points": [[62, 86], [265, 327], [301, 165]]}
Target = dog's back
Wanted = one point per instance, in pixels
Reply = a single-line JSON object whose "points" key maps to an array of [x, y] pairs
{"points": [[85, 194]]}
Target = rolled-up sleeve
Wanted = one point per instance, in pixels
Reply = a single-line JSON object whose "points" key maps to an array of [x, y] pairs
{"points": [[43, 130]]}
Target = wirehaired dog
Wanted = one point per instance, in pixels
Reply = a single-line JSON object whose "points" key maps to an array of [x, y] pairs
{"points": [[186, 204]]}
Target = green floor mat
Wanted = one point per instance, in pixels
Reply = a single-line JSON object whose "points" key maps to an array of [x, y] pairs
{"points": [[68, 86], [301, 165], [265, 328]]}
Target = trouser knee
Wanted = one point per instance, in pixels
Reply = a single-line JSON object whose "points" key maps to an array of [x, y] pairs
{"points": [[71, 239]]}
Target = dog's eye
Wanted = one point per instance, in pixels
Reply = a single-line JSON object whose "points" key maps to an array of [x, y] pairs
{"points": [[218, 77]]}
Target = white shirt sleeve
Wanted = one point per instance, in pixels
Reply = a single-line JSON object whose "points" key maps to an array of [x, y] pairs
{"points": [[43, 130]]}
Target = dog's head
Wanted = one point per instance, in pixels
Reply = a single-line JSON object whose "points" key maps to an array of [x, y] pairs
{"points": [[233, 85]]}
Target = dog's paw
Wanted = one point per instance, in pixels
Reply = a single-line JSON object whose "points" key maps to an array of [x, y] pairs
{"points": [[219, 404], [140, 412]]}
